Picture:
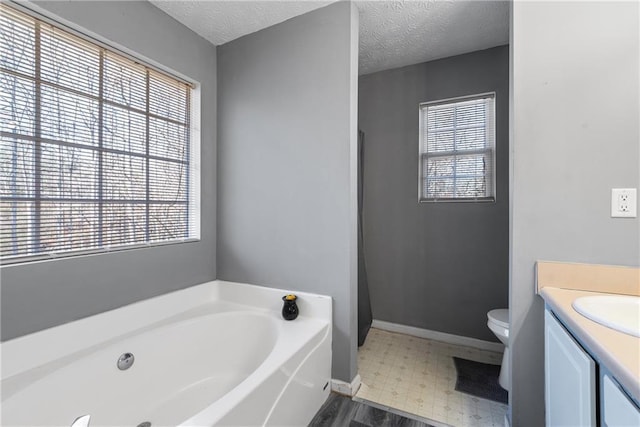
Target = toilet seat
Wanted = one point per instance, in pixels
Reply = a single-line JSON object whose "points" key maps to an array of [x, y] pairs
{"points": [[500, 317]]}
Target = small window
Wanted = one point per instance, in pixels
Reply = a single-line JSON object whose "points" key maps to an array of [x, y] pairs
{"points": [[457, 149], [96, 149]]}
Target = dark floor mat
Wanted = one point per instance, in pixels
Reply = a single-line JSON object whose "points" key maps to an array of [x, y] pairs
{"points": [[479, 379]]}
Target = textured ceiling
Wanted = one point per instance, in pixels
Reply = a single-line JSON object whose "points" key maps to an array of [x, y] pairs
{"points": [[398, 33], [221, 21], [393, 33]]}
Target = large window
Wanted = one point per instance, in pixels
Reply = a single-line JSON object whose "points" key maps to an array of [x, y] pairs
{"points": [[457, 149], [96, 150]]}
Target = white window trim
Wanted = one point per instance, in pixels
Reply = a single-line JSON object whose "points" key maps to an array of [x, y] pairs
{"points": [[48, 17], [421, 154]]}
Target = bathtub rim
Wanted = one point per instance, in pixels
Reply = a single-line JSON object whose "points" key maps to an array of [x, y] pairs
{"points": [[15, 384], [26, 353]]}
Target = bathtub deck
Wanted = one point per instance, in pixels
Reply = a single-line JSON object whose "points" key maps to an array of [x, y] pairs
{"points": [[341, 411]]}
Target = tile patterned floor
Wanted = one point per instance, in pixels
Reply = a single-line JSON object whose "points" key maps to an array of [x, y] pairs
{"points": [[418, 376]]}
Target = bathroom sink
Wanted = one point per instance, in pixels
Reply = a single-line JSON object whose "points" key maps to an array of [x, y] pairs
{"points": [[618, 312]]}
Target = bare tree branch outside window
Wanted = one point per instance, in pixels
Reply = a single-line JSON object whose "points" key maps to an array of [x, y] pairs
{"points": [[94, 147]]}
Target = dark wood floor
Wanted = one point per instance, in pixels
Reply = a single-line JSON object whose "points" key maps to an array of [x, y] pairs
{"points": [[341, 411]]}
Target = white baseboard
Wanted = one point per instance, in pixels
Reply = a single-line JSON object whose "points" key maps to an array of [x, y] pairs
{"points": [[438, 336], [348, 389]]}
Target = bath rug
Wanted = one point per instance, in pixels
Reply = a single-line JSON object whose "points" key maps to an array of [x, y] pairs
{"points": [[480, 380]]}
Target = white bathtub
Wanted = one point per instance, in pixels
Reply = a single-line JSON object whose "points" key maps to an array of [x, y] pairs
{"points": [[215, 354]]}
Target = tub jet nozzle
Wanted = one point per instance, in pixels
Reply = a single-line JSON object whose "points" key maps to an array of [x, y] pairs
{"points": [[125, 361]]}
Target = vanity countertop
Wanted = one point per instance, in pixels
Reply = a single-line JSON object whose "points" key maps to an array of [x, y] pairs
{"points": [[617, 351], [561, 283]]}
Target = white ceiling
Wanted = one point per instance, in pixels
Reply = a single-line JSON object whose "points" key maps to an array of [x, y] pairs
{"points": [[393, 33]]}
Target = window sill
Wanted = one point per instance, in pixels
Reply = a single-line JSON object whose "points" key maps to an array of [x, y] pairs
{"points": [[52, 256], [460, 200]]}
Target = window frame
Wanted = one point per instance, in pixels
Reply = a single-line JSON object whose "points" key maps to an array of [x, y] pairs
{"points": [[193, 161], [423, 155]]}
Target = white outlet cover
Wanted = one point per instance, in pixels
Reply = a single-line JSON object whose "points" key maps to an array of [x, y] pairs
{"points": [[624, 202]]}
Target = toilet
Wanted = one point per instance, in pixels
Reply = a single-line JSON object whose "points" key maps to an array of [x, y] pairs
{"points": [[498, 322]]}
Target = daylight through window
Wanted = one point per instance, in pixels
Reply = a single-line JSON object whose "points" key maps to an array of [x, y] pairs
{"points": [[96, 148], [457, 149]]}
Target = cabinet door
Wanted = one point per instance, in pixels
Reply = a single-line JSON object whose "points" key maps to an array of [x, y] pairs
{"points": [[570, 376], [617, 409]]}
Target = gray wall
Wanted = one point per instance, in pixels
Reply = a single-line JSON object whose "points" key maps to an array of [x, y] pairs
{"points": [[575, 135], [39, 295], [437, 266], [286, 163]]}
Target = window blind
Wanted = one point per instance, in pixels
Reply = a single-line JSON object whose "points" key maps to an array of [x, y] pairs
{"points": [[95, 148], [457, 149]]}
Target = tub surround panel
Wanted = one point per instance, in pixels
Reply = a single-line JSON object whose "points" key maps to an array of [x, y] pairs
{"points": [[315, 366], [283, 400], [40, 295], [287, 135], [612, 279], [435, 266]]}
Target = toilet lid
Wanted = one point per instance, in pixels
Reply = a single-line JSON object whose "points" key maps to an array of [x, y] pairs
{"points": [[499, 316]]}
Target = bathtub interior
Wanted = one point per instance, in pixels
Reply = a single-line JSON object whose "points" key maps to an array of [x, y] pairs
{"points": [[174, 367], [187, 367]]}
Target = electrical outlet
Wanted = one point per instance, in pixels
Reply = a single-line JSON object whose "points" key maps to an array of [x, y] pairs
{"points": [[624, 202]]}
